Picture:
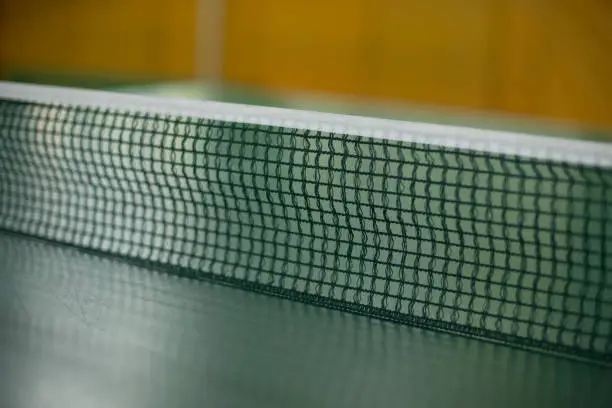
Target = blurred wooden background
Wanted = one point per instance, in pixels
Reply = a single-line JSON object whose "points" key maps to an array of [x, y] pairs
{"points": [[548, 58], [129, 39]]}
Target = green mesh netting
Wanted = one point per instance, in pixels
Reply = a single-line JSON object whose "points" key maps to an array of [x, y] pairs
{"points": [[503, 247]]}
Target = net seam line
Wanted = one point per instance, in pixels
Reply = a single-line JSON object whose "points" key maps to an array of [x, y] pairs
{"points": [[498, 142]]}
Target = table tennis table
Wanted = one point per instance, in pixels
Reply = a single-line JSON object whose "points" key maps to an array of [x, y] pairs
{"points": [[79, 327]]}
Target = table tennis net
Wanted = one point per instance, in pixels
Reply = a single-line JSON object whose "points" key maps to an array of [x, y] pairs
{"points": [[486, 234]]}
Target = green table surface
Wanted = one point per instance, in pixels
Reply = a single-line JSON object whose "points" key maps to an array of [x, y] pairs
{"points": [[83, 330]]}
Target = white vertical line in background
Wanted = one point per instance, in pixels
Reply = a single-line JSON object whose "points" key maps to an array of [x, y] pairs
{"points": [[210, 24]]}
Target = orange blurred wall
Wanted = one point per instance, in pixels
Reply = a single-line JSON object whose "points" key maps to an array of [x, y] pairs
{"points": [[117, 38], [550, 58]]}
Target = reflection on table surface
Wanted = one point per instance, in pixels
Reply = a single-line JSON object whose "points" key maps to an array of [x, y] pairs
{"points": [[77, 329]]}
